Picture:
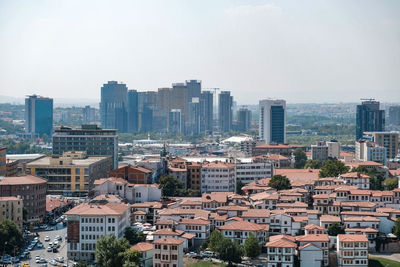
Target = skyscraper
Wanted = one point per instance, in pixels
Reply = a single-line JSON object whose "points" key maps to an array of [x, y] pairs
{"points": [[133, 111], [225, 111], [206, 111], [38, 115], [369, 118], [88, 114], [194, 117], [272, 121], [244, 119], [394, 115], [113, 106], [175, 121]]}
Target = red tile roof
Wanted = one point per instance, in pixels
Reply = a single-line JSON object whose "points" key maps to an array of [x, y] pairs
{"points": [[168, 241], [352, 238], [111, 208], [244, 226], [313, 238], [22, 180], [142, 246], [281, 243]]}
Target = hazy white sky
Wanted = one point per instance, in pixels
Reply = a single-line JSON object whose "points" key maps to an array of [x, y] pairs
{"points": [[301, 51]]}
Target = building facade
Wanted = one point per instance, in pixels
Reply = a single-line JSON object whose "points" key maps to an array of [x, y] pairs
{"points": [[38, 115], [352, 250], [244, 119], [3, 164], [113, 106], [369, 118], [388, 140], [218, 177], [133, 112], [272, 121], [11, 208], [225, 103], [168, 252]]}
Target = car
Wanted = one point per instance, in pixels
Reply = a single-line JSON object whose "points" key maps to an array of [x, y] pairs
{"points": [[37, 257], [17, 265], [59, 259], [49, 249], [30, 247], [53, 262], [47, 238], [56, 244], [42, 260], [50, 244], [207, 254], [59, 238], [55, 250], [40, 245]]}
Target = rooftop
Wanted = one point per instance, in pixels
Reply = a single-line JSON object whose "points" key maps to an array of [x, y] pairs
{"points": [[21, 180]]}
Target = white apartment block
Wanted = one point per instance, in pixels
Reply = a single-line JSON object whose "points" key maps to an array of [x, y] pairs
{"points": [[319, 151], [356, 179], [352, 250], [252, 169], [168, 252], [281, 253], [333, 149], [218, 177], [241, 230], [88, 221], [321, 241]]}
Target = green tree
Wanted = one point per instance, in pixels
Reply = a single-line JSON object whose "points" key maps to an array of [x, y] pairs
{"points": [[251, 246], [230, 251], [215, 240], [313, 164], [170, 186], [390, 183], [334, 229], [110, 251], [10, 236], [279, 182], [332, 168], [396, 228], [133, 236], [239, 185], [82, 263], [131, 258], [204, 245], [300, 158]]}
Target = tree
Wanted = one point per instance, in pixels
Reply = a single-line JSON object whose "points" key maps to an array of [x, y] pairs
{"points": [[396, 228], [390, 183], [215, 240], [110, 251], [170, 186], [204, 245], [279, 182], [313, 164], [230, 251], [300, 158], [82, 263], [251, 246], [334, 229], [10, 236], [332, 168], [133, 236], [131, 258], [239, 185]]}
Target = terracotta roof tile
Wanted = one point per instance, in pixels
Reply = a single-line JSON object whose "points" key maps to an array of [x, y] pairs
{"points": [[111, 208], [168, 241], [313, 238], [142, 246], [352, 238], [244, 226]]}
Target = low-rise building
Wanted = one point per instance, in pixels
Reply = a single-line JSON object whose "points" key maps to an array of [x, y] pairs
{"points": [[168, 252], [281, 253], [321, 241], [146, 253], [352, 250], [311, 255], [134, 175], [11, 209], [356, 179], [240, 231], [218, 177]]}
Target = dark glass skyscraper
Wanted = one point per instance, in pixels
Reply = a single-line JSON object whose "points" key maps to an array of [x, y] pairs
{"points": [[394, 115], [39, 115], [133, 111], [244, 119], [113, 106], [206, 111], [225, 111], [369, 118]]}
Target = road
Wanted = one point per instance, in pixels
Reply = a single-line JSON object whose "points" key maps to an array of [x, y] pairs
{"points": [[62, 251]]}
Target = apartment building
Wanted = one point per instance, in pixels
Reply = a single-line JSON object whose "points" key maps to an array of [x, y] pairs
{"points": [[352, 250], [146, 253], [356, 179], [134, 175], [11, 209], [168, 252], [252, 169], [281, 253], [240, 231], [388, 140], [88, 221], [321, 241], [218, 177]]}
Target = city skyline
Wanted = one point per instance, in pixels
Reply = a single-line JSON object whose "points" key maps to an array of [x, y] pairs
{"points": [[323, 52]]}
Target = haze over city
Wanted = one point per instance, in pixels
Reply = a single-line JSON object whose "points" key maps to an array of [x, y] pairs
{"points": [[308, 51]]}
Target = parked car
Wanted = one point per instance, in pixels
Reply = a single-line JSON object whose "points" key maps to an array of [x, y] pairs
{"points": [[208, 254], [47, 238], [49, 249], [53, 262], [60, 259]]}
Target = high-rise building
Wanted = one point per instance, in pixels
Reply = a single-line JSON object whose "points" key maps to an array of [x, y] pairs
{"points": [[333, 149], [133, 111], [194, 117], [175, 121], [389, 140], [225, 102], [88, 114], [179, 99], [244, 119], [319, 151], [146, 119], [206, 111], [193, 89], [113, 106], [369, 118], [272, 121], [39, 115], [369, 151], [90, 138], [394, 115], [3, 164]]}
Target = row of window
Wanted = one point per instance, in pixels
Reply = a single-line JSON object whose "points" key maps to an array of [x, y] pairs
{"points": [[165, 247], [165, 257], [164, 265]]}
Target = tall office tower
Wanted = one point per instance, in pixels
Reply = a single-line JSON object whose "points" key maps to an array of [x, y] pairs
{"points": [[394, 115], [113, 106], [179, 99], [163, 99], [244, 119], [225, 111], [194, 117], [39, 115], [193, 89], [90, 138], [133, 111], [146, 119], [206, 111], [369, 118], [88, 114], [272, 121], [175, 121]]}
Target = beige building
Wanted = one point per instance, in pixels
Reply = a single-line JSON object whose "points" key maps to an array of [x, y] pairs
{"points": [[11, 209], [168, 252], [73, 174], [352, 250], [389, 140]]}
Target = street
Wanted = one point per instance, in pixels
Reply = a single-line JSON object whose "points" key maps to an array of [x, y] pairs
{"points": [[42, 252]]}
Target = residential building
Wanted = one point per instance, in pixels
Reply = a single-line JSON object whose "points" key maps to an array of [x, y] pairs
{"points": [[193, 122], [311, 255], [319, 151], [252, 169], [333, 149], [370, 151], [90, 138], [240, 230], [175, 122], [321, 241], [90, 220], [113, 106], [356, 179], [225, 102], [369, 118], [3, 164], [198, 227], [280, 149], [11, 167], [272, 121], [218, 177], [281, 253], [146, 253], [38, 115], [32, 191], [244, 119], [11, 208], [194, 175], [133, 112], [88, 114], [388, 140], [72, 174], [133, 175], [168, 252], [352, 250], [394, 115]]}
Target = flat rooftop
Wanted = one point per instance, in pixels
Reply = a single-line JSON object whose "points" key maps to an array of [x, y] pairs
{"points": [[75, 162]]}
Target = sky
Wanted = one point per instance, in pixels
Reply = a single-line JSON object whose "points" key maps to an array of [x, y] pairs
{"points": [[302, 51]]}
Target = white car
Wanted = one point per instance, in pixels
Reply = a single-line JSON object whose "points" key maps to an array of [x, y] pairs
{"points": [[37, 257], [49, 249], [47, 238], [60, 259], [53, 262]]}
